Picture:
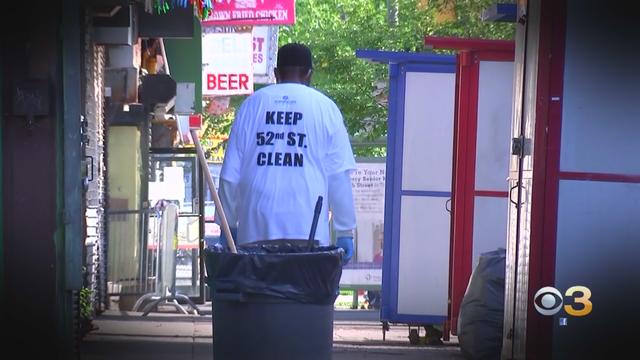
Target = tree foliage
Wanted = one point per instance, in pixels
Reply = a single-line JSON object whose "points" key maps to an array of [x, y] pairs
{"points": [[334, 29]]}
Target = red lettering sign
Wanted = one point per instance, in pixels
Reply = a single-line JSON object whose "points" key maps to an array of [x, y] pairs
{"points": [[252, 12], [258, 42], [227, 64], [227, 82]]}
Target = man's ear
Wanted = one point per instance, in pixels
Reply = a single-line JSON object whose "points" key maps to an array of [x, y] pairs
{"points": [[307, 77]]}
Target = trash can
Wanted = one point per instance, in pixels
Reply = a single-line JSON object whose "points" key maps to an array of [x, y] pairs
{"points": [[273, 301]]}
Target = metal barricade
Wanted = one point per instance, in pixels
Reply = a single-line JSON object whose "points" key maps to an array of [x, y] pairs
{"points": [[142, 252], [132, 252], [166, 292]]}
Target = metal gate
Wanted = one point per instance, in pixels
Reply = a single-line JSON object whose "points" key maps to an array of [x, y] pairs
{"points": [[132, 254], [133, 234]]}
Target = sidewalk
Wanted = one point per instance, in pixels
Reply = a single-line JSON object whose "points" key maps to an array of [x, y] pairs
{"points": [[164, 336]]}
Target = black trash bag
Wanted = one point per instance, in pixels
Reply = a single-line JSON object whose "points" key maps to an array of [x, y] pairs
{"points": [[482, 310], [285, 272]]}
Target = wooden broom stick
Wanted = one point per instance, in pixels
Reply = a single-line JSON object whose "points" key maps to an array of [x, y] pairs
{"points": [[214, 193]]}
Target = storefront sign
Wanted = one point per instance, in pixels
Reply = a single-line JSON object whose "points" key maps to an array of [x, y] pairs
{"points": [[252, 12], [265, 49], [227, 63], [215, 152]]}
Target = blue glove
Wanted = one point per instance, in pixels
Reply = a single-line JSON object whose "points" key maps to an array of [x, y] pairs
{"points": [[223, 237], [346, 244]]}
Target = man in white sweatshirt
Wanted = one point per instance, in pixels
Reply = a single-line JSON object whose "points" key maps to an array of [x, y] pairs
{"points": [[288, 145]]}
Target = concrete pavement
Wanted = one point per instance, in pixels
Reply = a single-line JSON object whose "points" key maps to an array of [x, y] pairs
{"points": [[163, 336]]}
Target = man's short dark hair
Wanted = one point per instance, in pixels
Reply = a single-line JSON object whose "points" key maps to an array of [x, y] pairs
{"points": [[294, 54]]}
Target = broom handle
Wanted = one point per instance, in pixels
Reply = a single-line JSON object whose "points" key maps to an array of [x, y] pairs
{"points": [[214, 193]]}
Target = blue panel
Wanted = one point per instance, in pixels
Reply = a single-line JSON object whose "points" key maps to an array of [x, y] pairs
{"points": [[394, 140], [393, 57], [446, 68], [503, 12], [444, 194], [399, 65], [387, 278], [394, 263]]}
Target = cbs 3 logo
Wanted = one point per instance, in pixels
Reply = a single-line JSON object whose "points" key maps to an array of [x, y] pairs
{"points": [[548, 301]]}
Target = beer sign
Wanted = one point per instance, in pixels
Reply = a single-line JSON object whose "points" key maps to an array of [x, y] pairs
{"points": [[227, 63]]}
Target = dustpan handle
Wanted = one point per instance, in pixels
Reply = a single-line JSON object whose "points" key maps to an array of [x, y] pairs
{"points": [[314, 224]]}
